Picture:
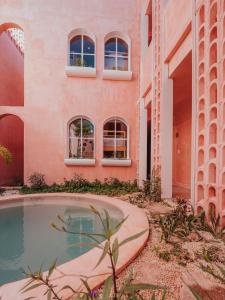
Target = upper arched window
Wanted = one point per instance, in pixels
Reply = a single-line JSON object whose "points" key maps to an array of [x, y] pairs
{"points": [[115, 139], [116, 54], [82, 51], [81, 138]]}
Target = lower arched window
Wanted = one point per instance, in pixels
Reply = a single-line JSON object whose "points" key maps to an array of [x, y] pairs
{"points": [[115, 140], [81, 139]]}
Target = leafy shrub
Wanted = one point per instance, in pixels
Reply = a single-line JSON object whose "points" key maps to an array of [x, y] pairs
{"points": [[37, 181], [165, 255], [181, 222], [138, 200], [152, 187], [78, 184], [214, 227]]}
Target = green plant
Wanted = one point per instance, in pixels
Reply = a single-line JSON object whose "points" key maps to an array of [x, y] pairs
{"points": [[37, 181], [109, 248], [181, 222], [215, 270], [5, 154], [214, 226], [165, 255], [152, 187], [78, 184], [138, 200]]}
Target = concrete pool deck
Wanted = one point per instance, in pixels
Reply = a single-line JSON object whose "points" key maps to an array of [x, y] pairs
{"points": [[70, 272]]}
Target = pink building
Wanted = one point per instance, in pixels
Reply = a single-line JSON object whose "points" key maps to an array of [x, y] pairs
{"points": [[114, 89]]}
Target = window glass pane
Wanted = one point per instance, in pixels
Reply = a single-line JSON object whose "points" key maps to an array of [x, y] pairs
{"points": [[89, 61], [108, 147], [110, 47], [122, 64], [121, 149], [74, 147], [75, 60], [88, 46], [110, 63], [88, 129], [121, 129], [88, 148], [109, 129], [75, 128], [122, 48], [75, 44]]}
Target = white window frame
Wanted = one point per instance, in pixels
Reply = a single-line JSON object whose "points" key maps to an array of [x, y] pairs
{"points": [[82, 53], [116, 161], [80, 71], [79, 161], [116, 56], [118, 74]]}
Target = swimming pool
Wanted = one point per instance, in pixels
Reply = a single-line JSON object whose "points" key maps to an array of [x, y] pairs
{"points": [[27, 238]]}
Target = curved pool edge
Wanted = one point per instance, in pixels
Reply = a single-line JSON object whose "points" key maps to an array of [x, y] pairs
{"points": [[70, 272]]}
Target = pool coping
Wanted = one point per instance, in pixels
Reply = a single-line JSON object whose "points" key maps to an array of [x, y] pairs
{"points": [[70, 272]]}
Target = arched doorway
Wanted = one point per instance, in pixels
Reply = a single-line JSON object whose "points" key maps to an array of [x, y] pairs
{"points": [[11, 65], [12, 137]]}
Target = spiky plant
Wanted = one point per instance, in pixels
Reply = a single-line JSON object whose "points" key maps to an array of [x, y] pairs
{"points": [[5, 154]]}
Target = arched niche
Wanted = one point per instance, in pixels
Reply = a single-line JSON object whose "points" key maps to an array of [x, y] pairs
{"points": [[200, 176], [213, 14], [201, 121], [201, 86], [213, 93], [201, 140], [213, 134], [201, 51], [201, 17], [212, 153], [213, 113], [200, 192], [213, 54], [212, 173], [201, 104], [213, 34], [213, 74], [201, 69], [200, 157], [212, 192]]}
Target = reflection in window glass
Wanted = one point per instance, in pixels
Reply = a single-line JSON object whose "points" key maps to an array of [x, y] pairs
{"points": [[82, 51], [81, 139], [116, 54], [115, 140]]}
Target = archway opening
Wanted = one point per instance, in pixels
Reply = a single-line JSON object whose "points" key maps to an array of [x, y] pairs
{"points": [[182, 124], [12, 137], [11, 65]]}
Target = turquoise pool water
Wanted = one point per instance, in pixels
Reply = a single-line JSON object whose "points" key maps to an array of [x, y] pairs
{"points": [[27, 239]]}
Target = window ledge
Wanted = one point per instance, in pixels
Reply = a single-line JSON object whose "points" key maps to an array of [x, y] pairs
{"points": [[116, 162], [117, 75], [74, 71], [79, 162]]}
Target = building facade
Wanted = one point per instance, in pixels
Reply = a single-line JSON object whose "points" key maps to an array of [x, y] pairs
{"points": [[116, 89]]}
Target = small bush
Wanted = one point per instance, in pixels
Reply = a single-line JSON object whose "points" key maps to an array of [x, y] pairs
{"points": [[37, 181], [165, 255]]}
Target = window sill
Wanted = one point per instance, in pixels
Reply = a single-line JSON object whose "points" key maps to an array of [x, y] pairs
{"points": [[79, 162], [73, 71], [116, 162], [117, 75]]}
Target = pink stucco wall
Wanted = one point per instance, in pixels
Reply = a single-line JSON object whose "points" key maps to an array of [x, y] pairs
{"points": [[11, 72], [52, 99]]}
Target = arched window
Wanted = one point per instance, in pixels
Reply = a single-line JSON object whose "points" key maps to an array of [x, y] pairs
{"points": [[81, 139], [116, 54], [82, 51], [115, 140]]}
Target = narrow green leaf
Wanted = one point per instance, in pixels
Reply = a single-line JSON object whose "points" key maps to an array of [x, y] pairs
{"points": [[104, 253], [164, 295], [107, 288], [153, 297], [194, 293], [52, 267], [133, 237], [115, 251], [26, 285], [86, 285], [32, 287]]}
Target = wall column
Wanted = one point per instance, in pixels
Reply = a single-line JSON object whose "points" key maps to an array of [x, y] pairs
{"points": [[166, 134], [142, 142]]}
